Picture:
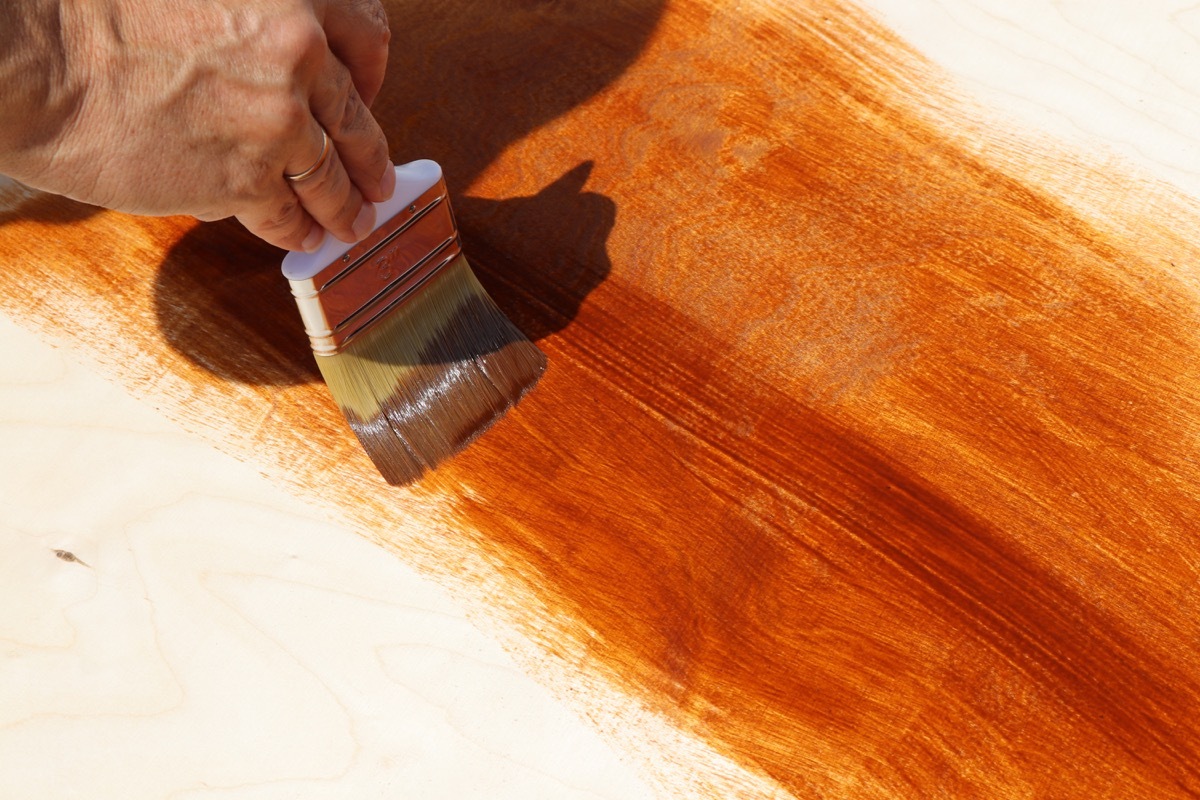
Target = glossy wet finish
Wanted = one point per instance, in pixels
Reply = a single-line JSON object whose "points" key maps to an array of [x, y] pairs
{"points": [[860, 456]]}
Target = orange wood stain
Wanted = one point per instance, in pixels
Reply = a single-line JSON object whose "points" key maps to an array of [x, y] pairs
{"points": [[860, 456]]}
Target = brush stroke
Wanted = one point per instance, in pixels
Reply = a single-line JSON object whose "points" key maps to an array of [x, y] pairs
{"points": [[868, 465]]}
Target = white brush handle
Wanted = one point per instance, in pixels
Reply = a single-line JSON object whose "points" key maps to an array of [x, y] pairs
{"points": [[412, 181]]}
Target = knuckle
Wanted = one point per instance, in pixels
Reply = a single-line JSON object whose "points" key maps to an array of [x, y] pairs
{"points": [[334, 112], [355, 115], [276, 118], [295, 38], [282, 220], [373, 22], [343, 85], [244, 180], [378, 31], [293, 116]]}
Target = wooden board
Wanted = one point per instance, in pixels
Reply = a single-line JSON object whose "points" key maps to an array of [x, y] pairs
{"points": [[865, 455]]}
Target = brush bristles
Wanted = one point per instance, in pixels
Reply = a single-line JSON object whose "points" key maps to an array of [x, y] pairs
{"points": [[431, 375]]}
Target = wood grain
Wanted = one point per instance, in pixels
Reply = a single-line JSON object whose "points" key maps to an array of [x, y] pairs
{"points": [[173, 626], [864, 458]]}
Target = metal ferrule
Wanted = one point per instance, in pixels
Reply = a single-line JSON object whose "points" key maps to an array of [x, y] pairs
{"points": [[379, 273]]}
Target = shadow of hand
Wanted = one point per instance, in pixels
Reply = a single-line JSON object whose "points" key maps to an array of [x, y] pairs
{"points": [[472, 78], [539, 257]]}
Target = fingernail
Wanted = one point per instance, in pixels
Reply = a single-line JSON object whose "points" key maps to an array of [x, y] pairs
{"points": [[364, 223], [388, 185], [312, 242]]}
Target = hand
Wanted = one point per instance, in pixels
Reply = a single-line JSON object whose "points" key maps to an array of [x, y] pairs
{"points": [[201, 107]]}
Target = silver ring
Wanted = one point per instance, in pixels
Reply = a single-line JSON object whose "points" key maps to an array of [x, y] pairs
{"points": [[321, 159]]}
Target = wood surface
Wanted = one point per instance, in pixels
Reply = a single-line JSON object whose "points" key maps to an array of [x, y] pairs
{"points": [[865, 456], [174, 626]]}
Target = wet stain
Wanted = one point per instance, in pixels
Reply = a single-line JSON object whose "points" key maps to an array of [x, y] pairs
{"points": [[861, 456], [857, 405]]}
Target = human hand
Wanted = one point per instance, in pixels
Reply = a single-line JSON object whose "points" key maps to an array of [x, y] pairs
{"points": [[200, 107]]}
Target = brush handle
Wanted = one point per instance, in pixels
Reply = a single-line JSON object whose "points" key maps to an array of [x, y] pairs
{"points": [[412, 181], [343, 288]]}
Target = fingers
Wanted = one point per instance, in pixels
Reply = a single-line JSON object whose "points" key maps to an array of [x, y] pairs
{"points": [[283, 222], [338, 189], [332, 199], [358, 34], [356, 135], [281, 216]]}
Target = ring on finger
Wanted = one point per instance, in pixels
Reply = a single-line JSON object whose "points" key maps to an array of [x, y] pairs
{"points": [[326, 146]]}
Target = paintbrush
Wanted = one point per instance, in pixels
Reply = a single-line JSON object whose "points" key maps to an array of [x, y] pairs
{"points": [[415, 353]]}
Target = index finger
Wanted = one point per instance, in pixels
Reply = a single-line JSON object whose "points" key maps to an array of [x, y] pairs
{"points": [[360, 142], [358, 34]]}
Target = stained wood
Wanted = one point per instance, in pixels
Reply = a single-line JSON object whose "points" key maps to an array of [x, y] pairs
{"points": [[863, 457]]}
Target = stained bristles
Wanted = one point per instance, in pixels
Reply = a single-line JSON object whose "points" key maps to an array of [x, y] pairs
{"points": [[432, 375]]}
